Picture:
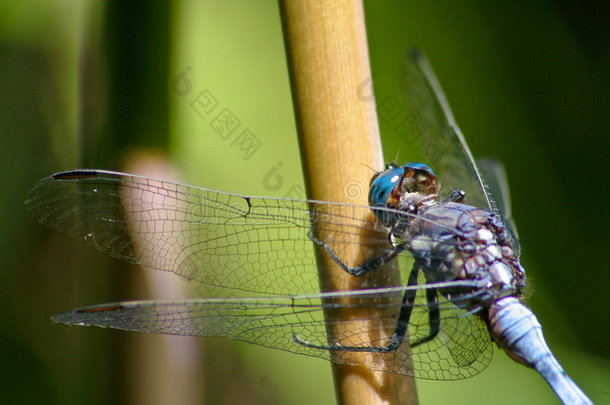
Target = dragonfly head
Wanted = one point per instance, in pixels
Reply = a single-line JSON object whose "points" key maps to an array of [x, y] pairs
{"points": [[392, 185]]}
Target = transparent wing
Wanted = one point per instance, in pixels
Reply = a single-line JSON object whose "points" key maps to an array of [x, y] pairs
{"points": [[495, 178], [439, 137], [244, 243], [364, 318], [252, 244]]}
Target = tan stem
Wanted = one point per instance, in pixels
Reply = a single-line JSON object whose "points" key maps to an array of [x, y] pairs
{"points": [[339, 139]]}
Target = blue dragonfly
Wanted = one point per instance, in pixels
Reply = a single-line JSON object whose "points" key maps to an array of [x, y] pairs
{"points": [[461, 284]]}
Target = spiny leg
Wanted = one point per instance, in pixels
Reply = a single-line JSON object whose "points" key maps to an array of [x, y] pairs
{"points": [[399, 330], [457, 196], [367, 266], [434, 317]]}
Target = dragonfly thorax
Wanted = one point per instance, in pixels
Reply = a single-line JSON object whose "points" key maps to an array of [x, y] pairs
{"points": [[456, 241], [449, 240]]}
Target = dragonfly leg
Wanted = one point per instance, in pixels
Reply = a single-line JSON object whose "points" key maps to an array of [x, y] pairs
{"points": [[457, 196], [434, 317], [399, 330], [367, 266]]}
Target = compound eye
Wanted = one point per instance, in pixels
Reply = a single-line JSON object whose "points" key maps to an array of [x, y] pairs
{"points": [[383, 184], [388, 166], [419, 178], [419, 167]]}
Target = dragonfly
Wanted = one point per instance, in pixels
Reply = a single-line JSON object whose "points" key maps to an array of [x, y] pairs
{"points": [[461, 285]]}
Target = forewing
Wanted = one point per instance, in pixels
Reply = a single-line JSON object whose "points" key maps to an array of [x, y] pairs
{"points": [[221, 239], [439, 138], [495, 177]]}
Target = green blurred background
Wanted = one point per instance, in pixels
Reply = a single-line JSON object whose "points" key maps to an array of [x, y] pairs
{"points": [[110, 85]]}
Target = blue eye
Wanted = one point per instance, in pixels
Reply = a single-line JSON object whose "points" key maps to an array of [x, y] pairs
{"points": [[388, 187], [382, 186], [418, 166]]}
